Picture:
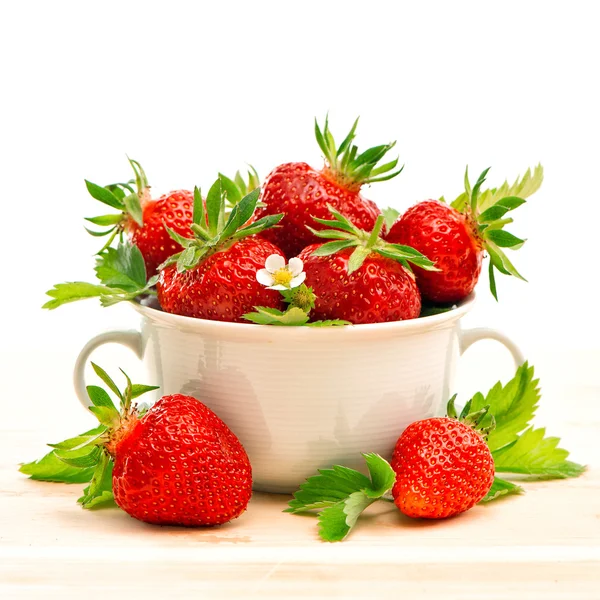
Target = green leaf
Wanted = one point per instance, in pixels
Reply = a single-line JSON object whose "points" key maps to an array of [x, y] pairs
{"points": [[107, 380], [104, 195], [81, 441], [138, 389], [82, 458], [105, 220], [534, 454], [264, 315], [257, 226], [329, 323], [500, 488], [134, 208], [332, 247], [199, 215], [51, 468], [231, 189], [512, 405], [391, 215], [501, 261], [492, 279], [122, 268], [382, 475], [63, 293], [504, 239], [214, 199], [357, 258], [335, 522], [102, 233], [106, 415], [99, 397], [99, 492]]}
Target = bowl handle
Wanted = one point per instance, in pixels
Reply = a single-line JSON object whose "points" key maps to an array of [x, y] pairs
{"points": [[130, 338], [469, 336]]}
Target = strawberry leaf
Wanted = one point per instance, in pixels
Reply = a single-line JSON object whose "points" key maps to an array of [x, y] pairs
{"points": [[52, 468], [329, 323], [122, 268], [104, 195], [99, 492], [134, 208], [264, 315], [513, 406], [534, 454], [63, 293], [342, 494], [500, 488], [391, 215]]}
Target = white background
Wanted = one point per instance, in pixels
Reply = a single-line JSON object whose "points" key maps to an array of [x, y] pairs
{"points": [[192, 88]]}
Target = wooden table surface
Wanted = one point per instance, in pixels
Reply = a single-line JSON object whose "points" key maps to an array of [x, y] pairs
{"points": [[544, 544]]}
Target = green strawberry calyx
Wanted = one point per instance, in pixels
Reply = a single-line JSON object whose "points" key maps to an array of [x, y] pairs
{"points": [[481, 420], [236, 188], [215, 230], [347, 235], [349, 169], [123, 197], [486, 212], [88, 457]]}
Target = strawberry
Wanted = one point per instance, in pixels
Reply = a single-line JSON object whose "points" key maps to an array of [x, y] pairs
{"points": [[143, 219], [443, 465], [359, 277], [301, 192], [456, 236], [215, 275], [174, 464]]}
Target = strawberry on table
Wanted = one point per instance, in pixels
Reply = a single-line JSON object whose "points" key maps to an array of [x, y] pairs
{"points": [[301, 192], [177, 464], [214, 277], [359, 277], [456, 236]]}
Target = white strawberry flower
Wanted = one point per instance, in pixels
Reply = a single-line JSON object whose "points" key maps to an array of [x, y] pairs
{"points": [[278, 276]]}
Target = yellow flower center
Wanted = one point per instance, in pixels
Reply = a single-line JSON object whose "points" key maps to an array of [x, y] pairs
{"points": [[282, 277]]}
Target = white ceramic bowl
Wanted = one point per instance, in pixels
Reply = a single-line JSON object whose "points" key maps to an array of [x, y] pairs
{"points": [[302, 398]]}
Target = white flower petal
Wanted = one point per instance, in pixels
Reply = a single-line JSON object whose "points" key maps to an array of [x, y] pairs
{"points": [[277, 287], [274, 263], [299, 280], [264, 277], [295, 266]]}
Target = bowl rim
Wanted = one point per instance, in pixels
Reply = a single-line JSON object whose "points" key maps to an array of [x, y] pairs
{"points": [[252, 331]]}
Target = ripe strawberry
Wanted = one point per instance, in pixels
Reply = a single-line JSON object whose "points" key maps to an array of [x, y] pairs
{"points": [[143, 218], [359, 277], [180, 465], [301, 192], [176, 464], [215, 275], [456, 236], [443, 465]]}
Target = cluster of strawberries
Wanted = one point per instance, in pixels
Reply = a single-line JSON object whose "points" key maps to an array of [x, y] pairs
{"points": [[362, 266]]}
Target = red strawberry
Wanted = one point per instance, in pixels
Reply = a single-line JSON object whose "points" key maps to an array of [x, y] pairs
{"points": [[455, 237], [143, 219], [301, 192], [215, 276], [180, 465], [443, 466], [360, 278], [176, 464], [450, 239]]}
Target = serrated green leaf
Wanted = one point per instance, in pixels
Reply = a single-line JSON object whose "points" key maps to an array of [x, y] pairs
{"points": [[534, 454], [336, 521], [122, 268], [513, 406], [104, 195], [51, 468], [63, 293], [501, 487]]}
